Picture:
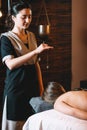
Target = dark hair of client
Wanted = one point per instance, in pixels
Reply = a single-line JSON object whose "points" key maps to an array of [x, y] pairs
{"points": [[52, 91], [15, 8]]}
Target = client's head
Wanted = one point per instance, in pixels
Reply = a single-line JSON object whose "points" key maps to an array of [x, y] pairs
{"points": [[52, 91]]}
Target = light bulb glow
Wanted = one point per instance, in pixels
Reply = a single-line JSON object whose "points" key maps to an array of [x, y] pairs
{"points": [[0, 13]]}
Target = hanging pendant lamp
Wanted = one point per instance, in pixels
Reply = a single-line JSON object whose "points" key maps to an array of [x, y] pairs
{"points": [[43, 29]]}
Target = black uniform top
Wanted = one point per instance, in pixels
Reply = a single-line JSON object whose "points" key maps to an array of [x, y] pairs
{"points": [[20, 85]]}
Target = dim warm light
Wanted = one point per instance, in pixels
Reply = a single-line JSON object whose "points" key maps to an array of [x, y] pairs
{"points": [[0, 13]]}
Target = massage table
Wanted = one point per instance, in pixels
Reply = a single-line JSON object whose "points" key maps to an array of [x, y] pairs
{"points": [[54, 120]]}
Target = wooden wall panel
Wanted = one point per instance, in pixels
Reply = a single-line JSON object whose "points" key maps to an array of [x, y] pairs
{"points": [[59, 13]]}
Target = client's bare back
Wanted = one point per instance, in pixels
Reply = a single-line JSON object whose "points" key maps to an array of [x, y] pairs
{"points": [[77, 99]]}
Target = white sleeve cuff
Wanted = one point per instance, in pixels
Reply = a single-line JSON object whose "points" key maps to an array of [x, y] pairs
{"points": [[7, 57]]}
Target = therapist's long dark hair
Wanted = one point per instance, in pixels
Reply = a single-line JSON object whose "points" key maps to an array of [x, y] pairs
{"points": [[14, 10]]}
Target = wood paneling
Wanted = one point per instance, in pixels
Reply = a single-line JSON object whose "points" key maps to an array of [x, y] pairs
{"points": [[59, 13]]}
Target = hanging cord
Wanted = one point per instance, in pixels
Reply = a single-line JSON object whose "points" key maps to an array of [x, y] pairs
{"points": [[43, 5], [39, 14], [9, 6], [46, 12]]}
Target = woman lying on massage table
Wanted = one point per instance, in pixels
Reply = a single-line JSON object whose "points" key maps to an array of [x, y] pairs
{"points": [[73, 103]]}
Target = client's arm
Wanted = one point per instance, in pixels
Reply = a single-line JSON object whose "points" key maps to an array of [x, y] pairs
{"points": [[62, 104]]}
